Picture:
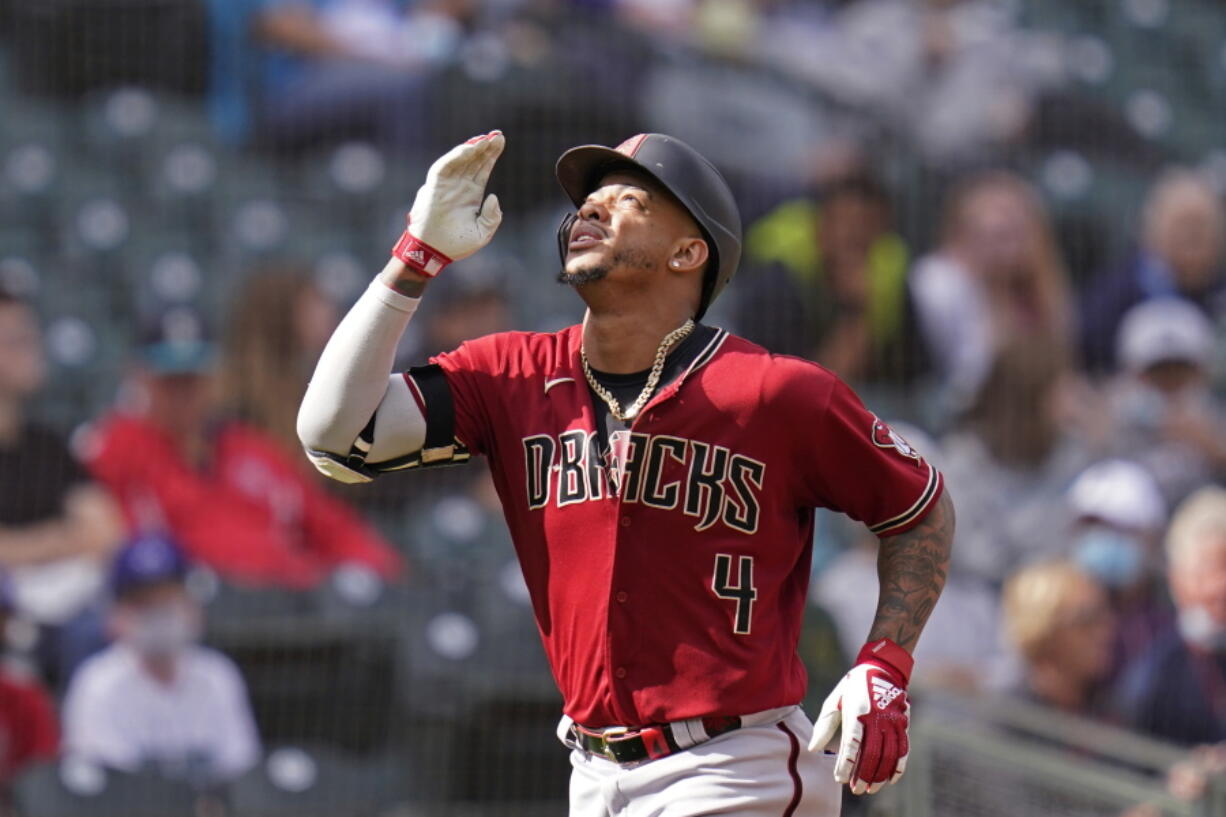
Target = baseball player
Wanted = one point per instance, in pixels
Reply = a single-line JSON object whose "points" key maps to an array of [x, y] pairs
{"points": [[659, 477]]}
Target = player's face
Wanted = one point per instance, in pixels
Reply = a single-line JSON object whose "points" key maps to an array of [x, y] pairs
{"points": [[627, 226]]}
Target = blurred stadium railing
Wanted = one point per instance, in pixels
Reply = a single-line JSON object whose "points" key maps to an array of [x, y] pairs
{"points": [[974, 756]]}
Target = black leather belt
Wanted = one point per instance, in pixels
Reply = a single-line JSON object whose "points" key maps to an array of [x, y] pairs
{"points": [[625, 746]]}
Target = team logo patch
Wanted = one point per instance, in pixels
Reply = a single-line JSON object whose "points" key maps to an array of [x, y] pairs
{"points": [[886, 437]]}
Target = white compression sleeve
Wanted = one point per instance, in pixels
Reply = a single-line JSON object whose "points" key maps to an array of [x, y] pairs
{"points": [[352, 381]]}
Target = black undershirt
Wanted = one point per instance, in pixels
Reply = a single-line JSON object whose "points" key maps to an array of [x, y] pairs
{"points": [[627, 387]]}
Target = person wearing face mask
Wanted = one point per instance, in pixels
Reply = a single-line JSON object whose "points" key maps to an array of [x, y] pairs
{"points": [[156, 699], [1163, 413], [1177, 689], [1118, 518]]}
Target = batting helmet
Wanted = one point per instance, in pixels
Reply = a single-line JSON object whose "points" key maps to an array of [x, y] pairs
{"points": [[682, 171]]}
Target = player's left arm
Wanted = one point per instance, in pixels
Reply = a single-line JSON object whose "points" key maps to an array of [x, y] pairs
{"points": [[870, 704], [911, 570]]}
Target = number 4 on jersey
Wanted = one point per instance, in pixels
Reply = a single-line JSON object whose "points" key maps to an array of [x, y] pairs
{"points": [[743, 592]]}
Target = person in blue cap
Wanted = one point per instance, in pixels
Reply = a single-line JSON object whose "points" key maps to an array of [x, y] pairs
{"points": [[156, 698]]}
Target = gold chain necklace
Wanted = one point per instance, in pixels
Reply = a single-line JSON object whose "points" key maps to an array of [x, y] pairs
{"points": [[653, 378]]}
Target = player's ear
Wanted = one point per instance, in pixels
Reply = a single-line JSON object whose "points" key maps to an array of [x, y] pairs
{"points": [[689, 254]]}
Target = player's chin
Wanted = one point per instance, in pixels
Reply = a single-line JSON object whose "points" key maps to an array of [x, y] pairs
{"points": [[578, 271]]}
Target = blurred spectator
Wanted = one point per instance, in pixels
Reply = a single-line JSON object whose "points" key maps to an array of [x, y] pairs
{"points": [[278, 325], [1163, 413], [349, 68], [1010, 460], [830, 284], [1177, 689], [470, 304], [1180, 254], [57, 528], [957, 76], [1059, 621], [28, 730], [234, 499], [1119, 516], [997, 277], [156, 699]]}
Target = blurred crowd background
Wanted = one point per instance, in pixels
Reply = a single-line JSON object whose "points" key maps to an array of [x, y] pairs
{"points": [[1001, 221]]}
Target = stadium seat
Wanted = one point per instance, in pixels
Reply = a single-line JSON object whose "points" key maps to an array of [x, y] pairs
{"points": [[315, 780], [74, 788]]}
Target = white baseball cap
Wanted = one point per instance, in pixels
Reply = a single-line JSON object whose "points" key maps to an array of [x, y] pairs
{"points": [[1121, 493], [1162, 330]]}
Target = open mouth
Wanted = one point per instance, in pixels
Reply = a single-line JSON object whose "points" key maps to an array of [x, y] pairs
{"points": [[585, 234]]}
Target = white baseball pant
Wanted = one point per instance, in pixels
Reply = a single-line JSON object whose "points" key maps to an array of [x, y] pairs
{"points": [[761, 770]]}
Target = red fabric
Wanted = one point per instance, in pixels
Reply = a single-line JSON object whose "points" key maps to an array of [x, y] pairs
{"points": [[682, 595], [419, 255], [887, 655], [252, 514], [28, 729], [884, 740]]}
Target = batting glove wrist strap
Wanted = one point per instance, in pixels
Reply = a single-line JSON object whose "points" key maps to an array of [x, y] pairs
{"points": [[418, 255], [890, 657]]}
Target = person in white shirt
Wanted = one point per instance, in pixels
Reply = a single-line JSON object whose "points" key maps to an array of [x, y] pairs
{"points": [[156, 699]]}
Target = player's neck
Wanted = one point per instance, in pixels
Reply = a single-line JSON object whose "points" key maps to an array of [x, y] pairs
{"points": [[624, 342]]}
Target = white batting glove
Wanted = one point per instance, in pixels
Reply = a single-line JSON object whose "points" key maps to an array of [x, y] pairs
{"points": [[452, 217], [870, 706]]}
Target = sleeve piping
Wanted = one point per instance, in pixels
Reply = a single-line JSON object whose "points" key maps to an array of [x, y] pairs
{"points": [[912, 516]]}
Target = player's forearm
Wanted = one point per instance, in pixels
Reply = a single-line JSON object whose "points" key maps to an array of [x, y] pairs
{"points": [[911, 568], [351, 377]]}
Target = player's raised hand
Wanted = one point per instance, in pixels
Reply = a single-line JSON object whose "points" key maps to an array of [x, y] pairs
{"points": [[452, 217], [870, 705]]}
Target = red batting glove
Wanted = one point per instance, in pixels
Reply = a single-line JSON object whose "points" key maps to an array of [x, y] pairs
{"points": [[870, 705]]}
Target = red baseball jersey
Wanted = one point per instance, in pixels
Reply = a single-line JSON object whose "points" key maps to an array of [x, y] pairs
{"points": [[669, 578]]}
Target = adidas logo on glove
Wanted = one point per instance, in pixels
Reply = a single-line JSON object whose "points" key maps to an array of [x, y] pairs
{"points": [[884, 693]]}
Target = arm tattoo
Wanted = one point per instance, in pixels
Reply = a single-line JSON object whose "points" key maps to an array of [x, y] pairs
{"points": [[407, 286], [911, 568], [402, 279]]}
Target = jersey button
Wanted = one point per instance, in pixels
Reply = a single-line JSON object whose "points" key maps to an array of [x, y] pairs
{"points": [[625, 521], [622, 596], [620, 672]]}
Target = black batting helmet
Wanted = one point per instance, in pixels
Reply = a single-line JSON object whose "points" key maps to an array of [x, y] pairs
{"points": [[682, 171]]}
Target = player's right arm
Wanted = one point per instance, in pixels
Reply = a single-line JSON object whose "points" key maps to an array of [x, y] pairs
{"points": [[357, 415]]}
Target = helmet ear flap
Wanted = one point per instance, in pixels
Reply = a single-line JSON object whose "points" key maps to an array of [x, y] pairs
{"points": [[564, 229]]}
